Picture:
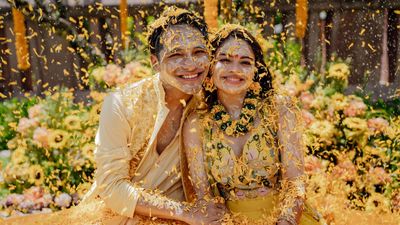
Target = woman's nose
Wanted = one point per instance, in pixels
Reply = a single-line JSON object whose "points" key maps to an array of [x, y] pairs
{"points": [[235, 67]]}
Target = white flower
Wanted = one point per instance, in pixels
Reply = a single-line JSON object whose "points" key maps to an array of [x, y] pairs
{"points": [[278, 28], [63, 200]]}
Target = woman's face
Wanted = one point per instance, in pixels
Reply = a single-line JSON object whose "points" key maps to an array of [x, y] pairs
{"points": [[234, 67]]}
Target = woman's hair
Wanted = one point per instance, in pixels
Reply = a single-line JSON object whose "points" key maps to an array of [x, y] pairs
{"points": [[173, 16], [262, 75]]}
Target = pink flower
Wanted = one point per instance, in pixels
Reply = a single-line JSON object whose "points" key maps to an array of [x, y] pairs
{"points": [[24, 124], [396, 202], [63, 200], [312, 165], [14, 199], [123, 78], [43, 201], [377, 124], [306, 98], [35, 111], [27, 204], [41, 135], [378, 175], [131, 68], [307, 117], [345, 171], [356, 107], [33, 193], [111, 74]]}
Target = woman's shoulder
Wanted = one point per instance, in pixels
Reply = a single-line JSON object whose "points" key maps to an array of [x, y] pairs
{"points": [[193, 120]]}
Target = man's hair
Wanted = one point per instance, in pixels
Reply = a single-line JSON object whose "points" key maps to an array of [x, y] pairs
{"points": [[173, 16]]}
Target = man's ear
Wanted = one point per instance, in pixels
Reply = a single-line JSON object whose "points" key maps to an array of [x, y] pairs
{"points": [[155, 62]]}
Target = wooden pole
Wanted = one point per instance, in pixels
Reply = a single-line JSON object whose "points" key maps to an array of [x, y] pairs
{"points": [[323, 43], [123, 16], [384, 77], [301, 17], [21, 44]]}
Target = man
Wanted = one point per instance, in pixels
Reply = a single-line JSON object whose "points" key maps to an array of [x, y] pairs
{"points": [[138, 137], [137, 155]]}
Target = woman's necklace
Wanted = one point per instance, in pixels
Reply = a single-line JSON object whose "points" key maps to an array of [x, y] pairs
{"points": [[240, 126]]}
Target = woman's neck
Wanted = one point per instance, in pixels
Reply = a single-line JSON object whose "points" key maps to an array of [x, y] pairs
{"points": [[233, 103]]}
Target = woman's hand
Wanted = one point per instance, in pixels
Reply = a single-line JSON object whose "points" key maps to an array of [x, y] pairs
{"points": [[205, 212]]}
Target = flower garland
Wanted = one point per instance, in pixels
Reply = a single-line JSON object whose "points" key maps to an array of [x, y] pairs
{"points": [[245, 122]]}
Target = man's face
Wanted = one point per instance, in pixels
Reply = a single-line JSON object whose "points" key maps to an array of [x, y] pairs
{"points": [[184, 59]]}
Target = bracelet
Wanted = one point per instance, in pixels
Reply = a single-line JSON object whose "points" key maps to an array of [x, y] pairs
{"points": [[290, 220]]}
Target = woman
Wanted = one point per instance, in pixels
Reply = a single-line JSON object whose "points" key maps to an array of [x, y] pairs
{"points": [[246, 144]]}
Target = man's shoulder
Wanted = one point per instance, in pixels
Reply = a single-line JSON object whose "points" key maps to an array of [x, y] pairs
{"points": [[132, 94], [139, 85]]}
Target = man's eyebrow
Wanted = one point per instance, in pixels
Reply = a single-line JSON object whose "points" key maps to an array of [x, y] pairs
{"points": [[176, 49]]}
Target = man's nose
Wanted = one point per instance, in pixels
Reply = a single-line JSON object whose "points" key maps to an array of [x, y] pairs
{"points": [[189, 63]]}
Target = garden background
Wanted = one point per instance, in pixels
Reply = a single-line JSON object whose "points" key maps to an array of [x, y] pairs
{"points": [[341, 59]]}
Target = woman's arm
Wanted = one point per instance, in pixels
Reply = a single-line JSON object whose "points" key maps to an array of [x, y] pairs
{"points": [[196, 163], [194, 153], [292, 159]]}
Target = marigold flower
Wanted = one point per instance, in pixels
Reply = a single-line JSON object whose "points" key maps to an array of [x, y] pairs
{"points": [[72, 122], [58, 139], [339, 71], [36, 175]]}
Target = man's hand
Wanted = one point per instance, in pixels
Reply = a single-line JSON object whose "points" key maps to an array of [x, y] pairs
{"points": [[284, 222], [205, 212]]}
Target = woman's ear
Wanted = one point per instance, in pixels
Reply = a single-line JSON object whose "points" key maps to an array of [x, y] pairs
{"points": [[155, 62]]}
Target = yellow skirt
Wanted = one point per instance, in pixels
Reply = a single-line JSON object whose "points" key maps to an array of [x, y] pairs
{"points": [[266, 209]]}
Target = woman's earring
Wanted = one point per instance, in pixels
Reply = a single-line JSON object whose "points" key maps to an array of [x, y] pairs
{"points": [[209, 84]]}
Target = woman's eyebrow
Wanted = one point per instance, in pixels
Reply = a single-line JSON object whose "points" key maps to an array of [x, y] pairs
{"points": [[247, 57], [230, 55], [201, 47]]}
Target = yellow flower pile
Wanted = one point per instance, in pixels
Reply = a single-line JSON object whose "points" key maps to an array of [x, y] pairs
{"points": [[54, 145]]}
